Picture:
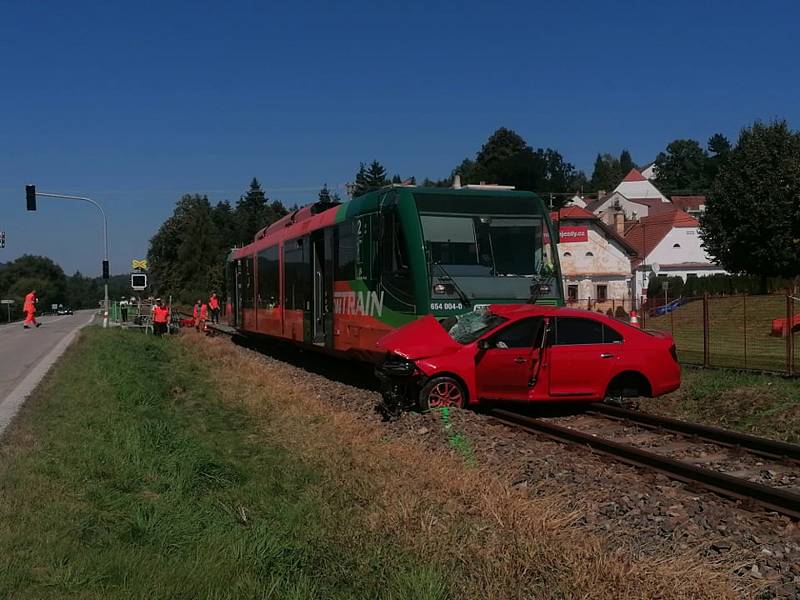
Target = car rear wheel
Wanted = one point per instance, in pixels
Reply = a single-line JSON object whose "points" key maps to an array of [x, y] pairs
{"points": [[442, 392]]}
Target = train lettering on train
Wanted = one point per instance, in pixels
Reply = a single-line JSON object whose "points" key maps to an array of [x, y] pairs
{"points": [[338, 277]]}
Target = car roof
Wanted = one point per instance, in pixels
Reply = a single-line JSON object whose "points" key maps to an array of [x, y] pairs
{"points": [[518, 310]]}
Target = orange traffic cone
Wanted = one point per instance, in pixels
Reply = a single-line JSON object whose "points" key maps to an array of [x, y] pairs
{"points": [[634, 319]]}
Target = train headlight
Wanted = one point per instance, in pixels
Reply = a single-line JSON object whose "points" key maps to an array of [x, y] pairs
{"points": [[439, 288]]}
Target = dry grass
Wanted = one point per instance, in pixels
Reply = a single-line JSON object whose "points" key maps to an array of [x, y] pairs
{"points": [[501, 543]]}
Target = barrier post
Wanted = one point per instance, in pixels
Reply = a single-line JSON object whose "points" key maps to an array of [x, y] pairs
{"points": [[706, 357]]}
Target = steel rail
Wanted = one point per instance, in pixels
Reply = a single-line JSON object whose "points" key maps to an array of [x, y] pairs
{"points": [[781, 501], [718, 435]]}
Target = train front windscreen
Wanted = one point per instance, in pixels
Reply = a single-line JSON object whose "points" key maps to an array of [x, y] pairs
{"points": [[484, 258]]}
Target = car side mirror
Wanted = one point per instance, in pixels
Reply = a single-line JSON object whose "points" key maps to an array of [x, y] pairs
{"points": [[484, 345]]}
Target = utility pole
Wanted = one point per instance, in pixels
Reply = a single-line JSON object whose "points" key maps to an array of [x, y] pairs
{"points": [[30, 197]]}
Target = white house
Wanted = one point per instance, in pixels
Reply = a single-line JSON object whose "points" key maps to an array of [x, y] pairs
{"points": [[649, 171], [595, 260], [671, 240]]}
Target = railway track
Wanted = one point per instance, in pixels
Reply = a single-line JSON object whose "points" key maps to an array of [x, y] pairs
{"points": [[693, 443]]}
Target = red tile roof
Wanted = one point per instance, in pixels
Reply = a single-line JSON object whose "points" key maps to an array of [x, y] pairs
{"points": [[634, 175], [688, 202], [645, 235], [576, 213], [572, 212]]}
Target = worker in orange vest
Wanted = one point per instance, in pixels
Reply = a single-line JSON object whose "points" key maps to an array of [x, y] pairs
{"points": [[29, 308], [213, 304], [160, 318], [196, 313], [201, 321]]}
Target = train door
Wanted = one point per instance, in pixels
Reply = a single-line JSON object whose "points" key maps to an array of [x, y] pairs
{"points": [[238, 309], [318, 291]]}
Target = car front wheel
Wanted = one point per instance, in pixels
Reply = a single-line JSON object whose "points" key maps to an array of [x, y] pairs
{"points": [[442, 392]]}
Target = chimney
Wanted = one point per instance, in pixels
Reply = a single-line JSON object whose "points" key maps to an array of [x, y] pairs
{"points": [[619, 222], [457, 182]]}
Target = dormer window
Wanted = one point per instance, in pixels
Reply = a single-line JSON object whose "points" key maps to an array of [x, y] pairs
{"points": [[567, 254], [676, 245], [589, 254]]}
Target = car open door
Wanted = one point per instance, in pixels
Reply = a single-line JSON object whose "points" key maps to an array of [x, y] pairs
{"points": [[507, 360]]}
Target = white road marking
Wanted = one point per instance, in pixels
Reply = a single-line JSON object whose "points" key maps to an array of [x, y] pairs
{"points": [[14, 401]]}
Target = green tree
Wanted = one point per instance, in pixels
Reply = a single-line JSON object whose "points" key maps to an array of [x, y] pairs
{"points": [[718, 144], [325, 196], [752, 218], [683, 168], [606, 174], [501, 145], [370, 178], [253, 213], [625, 163], [396, 179], [39, 273]]}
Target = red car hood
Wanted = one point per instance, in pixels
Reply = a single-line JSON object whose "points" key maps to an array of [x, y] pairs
{"points": [[423, 338]]}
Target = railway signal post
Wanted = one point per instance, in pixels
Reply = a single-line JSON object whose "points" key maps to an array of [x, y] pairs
{"points": [[30, 197]]}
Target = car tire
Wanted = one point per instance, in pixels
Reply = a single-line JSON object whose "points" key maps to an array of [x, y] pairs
{"points": [[442, 392]]}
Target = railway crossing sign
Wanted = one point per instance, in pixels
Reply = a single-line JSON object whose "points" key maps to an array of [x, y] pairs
{"points": [[139, 281], [138, 264], [656, 268]]}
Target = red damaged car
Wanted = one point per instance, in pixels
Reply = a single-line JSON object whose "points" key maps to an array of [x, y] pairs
{"points": [[525, 353]]}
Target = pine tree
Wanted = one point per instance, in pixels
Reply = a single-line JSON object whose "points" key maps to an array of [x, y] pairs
{"points": [[376, 176], [396, 179], [325, 195], [361, 186], [252, 213], [625, 163]]}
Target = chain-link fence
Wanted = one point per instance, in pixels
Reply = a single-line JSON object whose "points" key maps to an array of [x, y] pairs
{"points": [[741, 331]]}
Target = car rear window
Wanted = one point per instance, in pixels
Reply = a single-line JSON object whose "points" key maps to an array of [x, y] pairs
{"points": [[568, 331]]}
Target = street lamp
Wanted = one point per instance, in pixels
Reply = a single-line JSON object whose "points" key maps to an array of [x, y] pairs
{"points": [[30, 196]]}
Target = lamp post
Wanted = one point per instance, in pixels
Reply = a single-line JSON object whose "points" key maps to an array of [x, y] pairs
{"points": [[31, 194]]}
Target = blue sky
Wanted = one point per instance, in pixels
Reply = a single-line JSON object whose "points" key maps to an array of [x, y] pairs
{"points": [[135, 104]]}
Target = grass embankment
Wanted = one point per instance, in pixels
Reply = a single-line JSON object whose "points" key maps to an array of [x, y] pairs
{"points": [[763, 405], [126, 478], [131, 474]]}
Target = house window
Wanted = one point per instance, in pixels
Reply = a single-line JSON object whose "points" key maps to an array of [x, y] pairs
{"points": [[676, 245], [589, 254], [601, 293], [572, 293]]}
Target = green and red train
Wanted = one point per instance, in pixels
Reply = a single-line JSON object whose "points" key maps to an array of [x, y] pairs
{"points": [[337, 278]]}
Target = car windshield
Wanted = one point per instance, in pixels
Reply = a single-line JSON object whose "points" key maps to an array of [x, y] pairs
{"points": [[470, 326], [484, 246]]}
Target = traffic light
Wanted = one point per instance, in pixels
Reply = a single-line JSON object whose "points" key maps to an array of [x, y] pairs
{"points": [[2, 239], [30, 196], [105, 269]]}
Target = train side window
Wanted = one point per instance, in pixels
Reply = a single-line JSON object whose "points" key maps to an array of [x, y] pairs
{"points": [[395, 254], [345, 242], [268, 286], [367, 236], [297, 275]]}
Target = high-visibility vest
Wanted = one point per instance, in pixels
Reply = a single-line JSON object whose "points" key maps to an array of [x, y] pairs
{"points": [[30, 303], [196, 310], [160, 315], [213, 303], [204, 312]]}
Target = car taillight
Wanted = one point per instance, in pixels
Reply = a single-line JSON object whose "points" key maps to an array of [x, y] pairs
{"points": [[673, 352]]}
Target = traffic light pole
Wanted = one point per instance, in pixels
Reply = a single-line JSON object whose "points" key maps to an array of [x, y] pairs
{"points": [[106, 274]]}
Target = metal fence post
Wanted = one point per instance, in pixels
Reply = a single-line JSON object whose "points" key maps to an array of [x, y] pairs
{"points": [[706, 357], [744, 323], [789, 334]]}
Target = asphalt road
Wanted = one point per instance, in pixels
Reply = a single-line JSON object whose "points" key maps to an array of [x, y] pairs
{"points": [[27, 354]]}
